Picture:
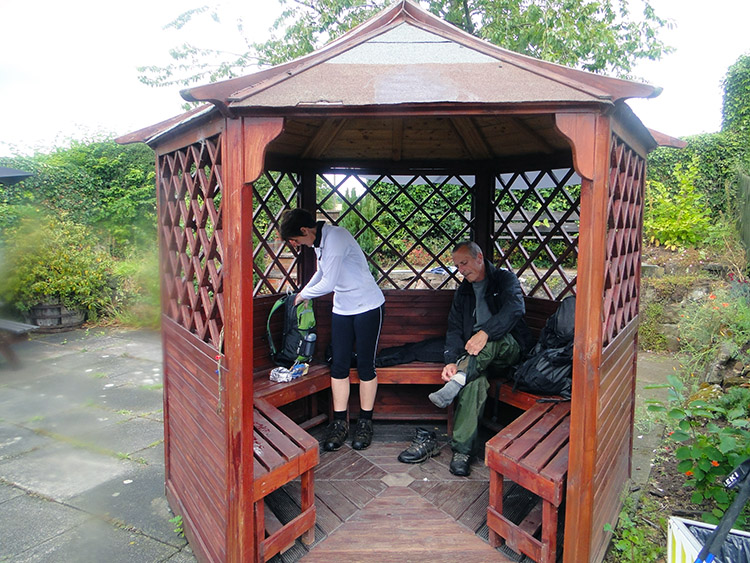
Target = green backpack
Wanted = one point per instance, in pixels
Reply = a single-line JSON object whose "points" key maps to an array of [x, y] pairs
{"points": [[298, 335]]}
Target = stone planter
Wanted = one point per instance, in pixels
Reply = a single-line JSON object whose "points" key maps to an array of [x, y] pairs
{"points": [[54, 317]]}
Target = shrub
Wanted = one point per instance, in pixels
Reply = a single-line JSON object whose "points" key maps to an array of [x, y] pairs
{"points": [[136, 301], [54, 260], [711, 441], [719, 157], [719, 320], [676, 218]]}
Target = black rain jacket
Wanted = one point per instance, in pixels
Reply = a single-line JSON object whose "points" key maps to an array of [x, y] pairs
{"points": [[506, 304]]}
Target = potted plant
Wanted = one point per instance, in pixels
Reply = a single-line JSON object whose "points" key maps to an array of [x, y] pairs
{"points": [[54, 272]]}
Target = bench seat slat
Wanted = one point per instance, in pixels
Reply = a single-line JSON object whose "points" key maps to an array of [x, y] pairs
{"points": [[547, 448], [285, 447]]}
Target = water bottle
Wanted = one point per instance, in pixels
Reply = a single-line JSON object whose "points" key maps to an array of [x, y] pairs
{"points": [[307, 346]]}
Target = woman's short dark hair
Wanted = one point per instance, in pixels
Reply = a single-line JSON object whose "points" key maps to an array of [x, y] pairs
{"points": [[292, 221]]}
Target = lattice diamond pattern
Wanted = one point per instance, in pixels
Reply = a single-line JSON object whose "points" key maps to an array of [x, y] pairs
{"points": [[536, 229], [623, 250], [274, 262], [406, 225], [190, 224]]}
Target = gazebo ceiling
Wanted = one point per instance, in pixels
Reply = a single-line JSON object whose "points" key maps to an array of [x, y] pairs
{"points": [[420, 138]]}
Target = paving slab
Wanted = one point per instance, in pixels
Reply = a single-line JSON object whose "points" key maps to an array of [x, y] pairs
{"points": [[17, 440], [28, 521], [126, 437], [136, 500], [77, 422], [61, 470], [97, 541], [137, 400], [20, 406], [8, 492]]}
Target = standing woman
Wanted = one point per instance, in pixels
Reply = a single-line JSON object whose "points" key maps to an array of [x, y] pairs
{"points": [[357, 317]]}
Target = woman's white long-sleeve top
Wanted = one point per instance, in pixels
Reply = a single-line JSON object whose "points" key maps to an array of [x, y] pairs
{"points": [[342, 269]]}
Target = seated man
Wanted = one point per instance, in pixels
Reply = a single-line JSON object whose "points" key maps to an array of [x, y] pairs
{"points": [[486, 330]]}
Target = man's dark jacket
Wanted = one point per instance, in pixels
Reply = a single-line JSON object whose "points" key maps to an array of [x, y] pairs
{"points": [[506, 304]]}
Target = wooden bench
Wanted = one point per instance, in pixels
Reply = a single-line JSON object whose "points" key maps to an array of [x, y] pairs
{"points": [[282, 451], [10, 333], [532, 451], [410, 316]]}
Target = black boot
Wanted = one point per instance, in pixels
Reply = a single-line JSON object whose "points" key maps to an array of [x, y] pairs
{"points": [[460, 464], [362, 434], [423, 446], [336, 435]]}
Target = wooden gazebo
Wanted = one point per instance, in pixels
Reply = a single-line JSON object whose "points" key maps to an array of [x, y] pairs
{"points": [[418, 135]]}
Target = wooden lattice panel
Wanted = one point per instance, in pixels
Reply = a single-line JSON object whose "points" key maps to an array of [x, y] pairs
{"points": [[407, 225], [536, 218], [623, 245], [190, 226], [275, 264]]}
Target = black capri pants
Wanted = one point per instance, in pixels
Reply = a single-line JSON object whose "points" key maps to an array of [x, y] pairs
{"points": [[362, 329]]}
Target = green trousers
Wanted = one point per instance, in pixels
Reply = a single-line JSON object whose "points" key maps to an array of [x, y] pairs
{"points": [[497, 354]]}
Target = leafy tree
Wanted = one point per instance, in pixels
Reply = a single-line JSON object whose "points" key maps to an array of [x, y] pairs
{"points": [[100, 184], [595, 35], [736, 107]]}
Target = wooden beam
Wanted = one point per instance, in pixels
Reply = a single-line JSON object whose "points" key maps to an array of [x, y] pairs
{"points": [[308, 200], [484, 222], [472, 138], [197, 132], [323, 137], [244, 147], [560, 159], [591, 153], [579, 130], [257, 134]]}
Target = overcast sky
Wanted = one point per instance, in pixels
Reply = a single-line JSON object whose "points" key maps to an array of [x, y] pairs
{"points": [[68, 69]]}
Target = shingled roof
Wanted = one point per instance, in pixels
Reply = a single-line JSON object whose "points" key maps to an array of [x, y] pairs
{"points": [[408, 61], [405, 56]]}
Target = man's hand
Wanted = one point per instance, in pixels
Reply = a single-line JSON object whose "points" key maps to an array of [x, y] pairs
{"points": [[477, 343], [449, 371]]}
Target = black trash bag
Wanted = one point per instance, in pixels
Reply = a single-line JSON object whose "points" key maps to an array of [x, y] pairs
{"points": [[549, 368]]}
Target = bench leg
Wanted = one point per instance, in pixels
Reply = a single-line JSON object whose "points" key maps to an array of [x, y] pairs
{"points": [[496, 503], [549, 533], [308, 499], [9, 354], [260, 530]]}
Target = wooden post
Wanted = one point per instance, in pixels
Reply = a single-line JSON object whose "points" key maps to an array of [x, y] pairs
{"points": [[589, 135], [245, 141], [484, 219], [308, 200]]}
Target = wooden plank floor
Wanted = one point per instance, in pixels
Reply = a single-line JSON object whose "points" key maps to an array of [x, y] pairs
{"points": [[401, 525], [371, 507]]}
